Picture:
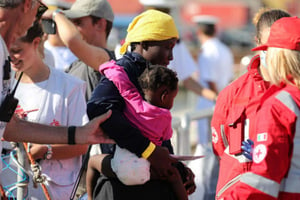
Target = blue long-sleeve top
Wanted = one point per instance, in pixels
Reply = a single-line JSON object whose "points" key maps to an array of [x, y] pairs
{"points": [[106, 96]]}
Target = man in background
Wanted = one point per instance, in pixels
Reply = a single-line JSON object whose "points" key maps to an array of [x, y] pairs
{"points": [[215, 62], [93, 19]]}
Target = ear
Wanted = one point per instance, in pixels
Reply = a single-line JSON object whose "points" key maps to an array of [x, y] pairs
{"points": [[101, 24], [27, 5], [256, 40], [36, 42], [164, 95]]}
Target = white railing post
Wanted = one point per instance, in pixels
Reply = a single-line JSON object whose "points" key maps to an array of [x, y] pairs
{"points": [[183, 127], [23, 161]]}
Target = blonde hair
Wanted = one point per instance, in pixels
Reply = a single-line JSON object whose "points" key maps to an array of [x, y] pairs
{"points": [[258, 14], [284, 65]]}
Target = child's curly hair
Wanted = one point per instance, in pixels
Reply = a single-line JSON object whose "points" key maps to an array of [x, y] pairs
{"points": [[156, 76]]}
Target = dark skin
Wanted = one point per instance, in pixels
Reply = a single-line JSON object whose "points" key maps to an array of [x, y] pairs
{"points": [[160, 53], [94, 56], [161, 162], [162, 97]]}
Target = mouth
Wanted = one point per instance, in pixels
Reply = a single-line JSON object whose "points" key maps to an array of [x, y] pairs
{"points": [[15, 63]]}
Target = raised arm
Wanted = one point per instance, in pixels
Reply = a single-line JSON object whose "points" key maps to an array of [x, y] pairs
{"points": [[89, 54]]}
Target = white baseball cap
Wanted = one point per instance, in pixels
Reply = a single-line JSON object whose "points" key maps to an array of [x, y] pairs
{"points": [[160, 3], [205, 19]]}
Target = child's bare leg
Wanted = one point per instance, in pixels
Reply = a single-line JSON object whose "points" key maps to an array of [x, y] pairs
{"points": [[93, 172]]}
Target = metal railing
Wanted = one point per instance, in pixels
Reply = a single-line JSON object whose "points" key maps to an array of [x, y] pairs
{"points": [[182, 128]]}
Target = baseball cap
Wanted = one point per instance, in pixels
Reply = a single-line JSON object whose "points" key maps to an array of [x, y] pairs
{"points": [[205, 19], [284, 33], [159, 3], [96, 8]]}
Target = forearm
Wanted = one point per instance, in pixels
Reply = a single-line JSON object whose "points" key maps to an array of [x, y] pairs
{"points": [[213, 86], [23, 131], [66, 29], [194, 86], [60, 152]]}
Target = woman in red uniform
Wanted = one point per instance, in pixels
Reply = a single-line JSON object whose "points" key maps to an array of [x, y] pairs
{"points": [[235, 111], [275, 172]]}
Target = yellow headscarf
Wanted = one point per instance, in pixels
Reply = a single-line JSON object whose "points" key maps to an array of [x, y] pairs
{"points": [[151, 25]]}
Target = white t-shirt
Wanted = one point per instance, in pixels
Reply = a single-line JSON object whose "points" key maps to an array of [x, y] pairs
{"points": [[183, 62], [58, 101], [216, 65]]}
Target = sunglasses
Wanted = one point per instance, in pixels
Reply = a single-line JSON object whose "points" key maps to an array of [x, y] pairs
{"points": [[41, 10]]}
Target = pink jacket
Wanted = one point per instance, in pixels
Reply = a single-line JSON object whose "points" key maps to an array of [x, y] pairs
{"points": [[152, 121]]}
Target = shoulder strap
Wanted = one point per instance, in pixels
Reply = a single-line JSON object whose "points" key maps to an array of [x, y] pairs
{"points": [[111, 54]]}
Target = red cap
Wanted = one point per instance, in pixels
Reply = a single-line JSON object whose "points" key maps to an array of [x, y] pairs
{"points": [[284, 33]]}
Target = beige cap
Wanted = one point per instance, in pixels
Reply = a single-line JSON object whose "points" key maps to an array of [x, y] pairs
{"points": [[96, 8]]}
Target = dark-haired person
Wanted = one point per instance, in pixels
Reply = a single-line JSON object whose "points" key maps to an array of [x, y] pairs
{"points": [[215, 62], [15, 19], [235, 112], [151, 115], [151, 42], [94, 20], [151, 36], [60, 102]]}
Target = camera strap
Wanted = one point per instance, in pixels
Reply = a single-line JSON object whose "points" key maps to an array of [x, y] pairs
{"points": [[14, 90]]}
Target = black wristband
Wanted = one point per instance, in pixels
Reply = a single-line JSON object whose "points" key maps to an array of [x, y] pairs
{"points": [[71, 134]]}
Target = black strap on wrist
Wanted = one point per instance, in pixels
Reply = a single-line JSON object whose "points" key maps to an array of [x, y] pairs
{"points": [[71, 134]]}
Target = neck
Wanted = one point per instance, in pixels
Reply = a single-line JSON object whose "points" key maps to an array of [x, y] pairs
{"points": [[99, 41], [204, 38], [37, 73]]}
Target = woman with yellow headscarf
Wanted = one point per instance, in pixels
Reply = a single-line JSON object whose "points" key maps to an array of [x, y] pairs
{"points": [[151, 25], [151, 37]]}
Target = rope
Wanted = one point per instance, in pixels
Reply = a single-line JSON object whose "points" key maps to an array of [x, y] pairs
{"points": [[37, 175], [2, 192], [10, 188]]}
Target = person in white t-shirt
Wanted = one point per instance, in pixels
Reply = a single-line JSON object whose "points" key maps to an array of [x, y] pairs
{"points": [[215, 61], [15, 19], [60, 102]]}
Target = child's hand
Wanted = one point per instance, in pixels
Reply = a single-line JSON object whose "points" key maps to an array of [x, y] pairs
{"points": [[190, 182]]}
